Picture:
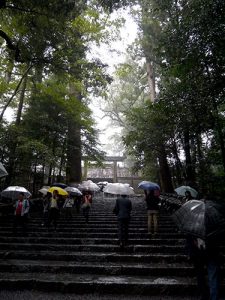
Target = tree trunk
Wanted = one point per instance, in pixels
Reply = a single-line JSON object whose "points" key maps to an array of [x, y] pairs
{"points": [[178, 165], [21, 101], [73, 170], [165, 175], [50, 175], [151, 79], [14, 93], [219, 130], [62, 160], [190, 173]]}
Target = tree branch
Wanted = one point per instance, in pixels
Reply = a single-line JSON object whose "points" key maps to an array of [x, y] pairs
{"points": [[14, 93], [11, 46]]}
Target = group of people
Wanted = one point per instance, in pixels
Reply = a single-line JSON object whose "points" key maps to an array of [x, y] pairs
{"points": [[202, 254], [53, 206]]}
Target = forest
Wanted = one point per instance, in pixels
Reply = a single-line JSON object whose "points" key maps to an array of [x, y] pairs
{"points": [[168, 95]]}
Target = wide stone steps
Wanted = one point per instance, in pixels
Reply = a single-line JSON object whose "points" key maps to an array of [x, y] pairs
{"points": [[85, 258], [95, 241], [89, 247], [87, 234], [31, 266], [110, 257], [93, 283]]}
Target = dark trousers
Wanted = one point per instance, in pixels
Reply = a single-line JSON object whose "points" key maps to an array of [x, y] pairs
{"points": [[210, 291], [53, 217], [86, 210], [68, 212], [45, 218], [20, 221], [78, 204], [123, 227]]}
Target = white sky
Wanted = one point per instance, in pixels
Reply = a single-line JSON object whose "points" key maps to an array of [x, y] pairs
{"points": [[107, 55]]}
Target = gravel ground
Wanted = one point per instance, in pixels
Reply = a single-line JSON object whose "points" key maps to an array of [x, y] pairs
{"points": [[33, 295]]}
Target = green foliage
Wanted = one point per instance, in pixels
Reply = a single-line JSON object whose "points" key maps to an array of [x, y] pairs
{"points": [[53, 38], [185, 41]]}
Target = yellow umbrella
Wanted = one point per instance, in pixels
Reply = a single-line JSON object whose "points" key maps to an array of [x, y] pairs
{"points": [[60, 190]]}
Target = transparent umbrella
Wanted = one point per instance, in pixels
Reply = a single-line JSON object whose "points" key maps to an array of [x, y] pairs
{"points": [[73, 191], [89, 186], [184, 188], [118, 189], [43, 191], [12, 192]]}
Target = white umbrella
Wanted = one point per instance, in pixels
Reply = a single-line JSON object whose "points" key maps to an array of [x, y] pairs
{"points": [[73, 191], [3, 171], [184, 188], [89, 186], [118, 189], [13, 192], [43, 191]]}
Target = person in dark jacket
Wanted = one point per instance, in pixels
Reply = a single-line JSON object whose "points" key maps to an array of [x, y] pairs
{"points": [[123, 209], [152, 202]]}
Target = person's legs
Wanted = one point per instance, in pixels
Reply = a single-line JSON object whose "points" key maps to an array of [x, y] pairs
{"points": [[55, 217], [126, 230], [86, 213], [24, 220], [50, 217], [213, 277], [16, 222], [199, 267], [120, 231], [155, 222], [70, 212], [149, 222]]}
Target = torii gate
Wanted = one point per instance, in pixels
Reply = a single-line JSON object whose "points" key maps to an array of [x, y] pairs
{"points": [[114, 159]]}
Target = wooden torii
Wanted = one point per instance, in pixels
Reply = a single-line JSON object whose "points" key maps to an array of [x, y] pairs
{"points": [[114, 159]]}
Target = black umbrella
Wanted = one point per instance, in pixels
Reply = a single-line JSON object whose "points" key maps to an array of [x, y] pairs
{"points": [[201, 219], [59, 184]]}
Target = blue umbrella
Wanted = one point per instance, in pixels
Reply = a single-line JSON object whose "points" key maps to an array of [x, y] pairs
{"points": [[148, 185], [61, 185]]}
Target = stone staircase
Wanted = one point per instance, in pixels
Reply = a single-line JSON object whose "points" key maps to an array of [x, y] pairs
{"points": [[85, 258]]}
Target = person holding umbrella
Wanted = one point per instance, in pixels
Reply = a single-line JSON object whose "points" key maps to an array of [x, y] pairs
{"points": [[86, 206], [22, 207], [54, 212], [123, 210], [187, 197], [152, 192], [204, 224], [152, 201]]}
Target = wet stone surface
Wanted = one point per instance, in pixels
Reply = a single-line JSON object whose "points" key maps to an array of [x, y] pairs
{"points": [[33, 295], [84, 261]]}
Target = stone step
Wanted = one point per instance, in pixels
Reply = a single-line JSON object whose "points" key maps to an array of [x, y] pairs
{"points": [[95, 226], [75, 241], [89, 228], [97, 218], [31, 266], [110, 257], [87, 234], [90, 247], [92, 283]]}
